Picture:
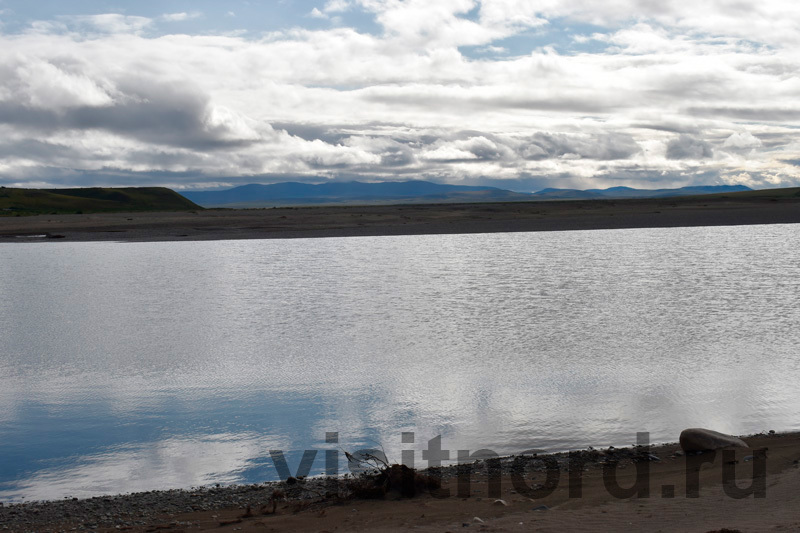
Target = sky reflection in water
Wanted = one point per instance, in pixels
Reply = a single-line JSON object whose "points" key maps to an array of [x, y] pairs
{"points": [[129, 367]]}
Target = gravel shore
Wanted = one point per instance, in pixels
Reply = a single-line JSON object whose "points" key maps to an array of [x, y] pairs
{"points": [[301, 504], [141, 510]]}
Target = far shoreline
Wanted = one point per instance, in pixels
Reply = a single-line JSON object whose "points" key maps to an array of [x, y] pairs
{"points": [[409, 219]]}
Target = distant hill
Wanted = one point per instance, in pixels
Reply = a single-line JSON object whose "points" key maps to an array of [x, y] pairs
{"points": [[628, 192], [353, 192], [91, 200], [415, 191]]}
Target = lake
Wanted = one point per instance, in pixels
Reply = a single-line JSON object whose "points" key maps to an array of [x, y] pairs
{"points": [[138, 366]]}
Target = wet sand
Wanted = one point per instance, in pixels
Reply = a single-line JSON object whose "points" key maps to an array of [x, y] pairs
{"points": [[667, 507], [343, 221]]}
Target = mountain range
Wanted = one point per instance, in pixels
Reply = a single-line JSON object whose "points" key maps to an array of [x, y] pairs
{"points": [[629, 192], [415, 191]]}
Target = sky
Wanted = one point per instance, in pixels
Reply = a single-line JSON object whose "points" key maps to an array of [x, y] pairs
{"points": [[517, 94]]}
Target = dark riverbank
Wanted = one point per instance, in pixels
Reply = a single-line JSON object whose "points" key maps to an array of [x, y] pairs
{"points": [[710, 210]]}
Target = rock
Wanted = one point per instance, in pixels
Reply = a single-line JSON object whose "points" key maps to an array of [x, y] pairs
{"points": [[700, 439], [500, 503]]}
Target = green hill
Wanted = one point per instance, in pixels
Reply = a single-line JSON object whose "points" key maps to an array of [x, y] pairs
{"points": [[91, 200]]}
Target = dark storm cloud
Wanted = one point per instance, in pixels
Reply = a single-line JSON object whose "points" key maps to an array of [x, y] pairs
{"points": [[688, 147]]}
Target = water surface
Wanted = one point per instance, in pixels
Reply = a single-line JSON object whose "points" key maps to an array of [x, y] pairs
{"points": [[134, 366]]}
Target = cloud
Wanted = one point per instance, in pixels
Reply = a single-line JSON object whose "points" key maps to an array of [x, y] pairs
{"points": [[179, 17], [742, 142], [110, 23], [475, 148], [393, 153], [754, 113], [418, 23], [772, 21], [41, 84], [492, 50], [652, 98], [601, 147], [688, 147], [448, 153], [320, 155], [337, 6], [163, 113]]}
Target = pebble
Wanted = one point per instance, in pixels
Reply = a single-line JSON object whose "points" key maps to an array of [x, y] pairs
{"points": [[121, 512], [144, 509]]}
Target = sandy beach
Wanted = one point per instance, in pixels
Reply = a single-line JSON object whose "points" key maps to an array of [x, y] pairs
{"points": [[483, 504], [341, 221]]}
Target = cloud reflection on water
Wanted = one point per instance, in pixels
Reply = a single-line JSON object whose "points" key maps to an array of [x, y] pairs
{"points": [[187, 362]]}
